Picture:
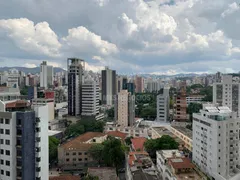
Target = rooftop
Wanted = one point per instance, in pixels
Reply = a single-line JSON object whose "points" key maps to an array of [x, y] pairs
{"points": [[117, 134], [169, 153], [18, 104], [138, 143], [180, 163], [79, 142], [65, 177], [183, 130], [52, 133], [104, 173]]}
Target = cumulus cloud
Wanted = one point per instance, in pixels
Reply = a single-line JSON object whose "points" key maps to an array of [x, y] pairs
{"points": [[39, 38], [28, 65], [231, 9]]}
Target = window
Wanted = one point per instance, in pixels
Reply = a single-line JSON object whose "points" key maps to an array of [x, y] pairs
{"points": [[80, 159], [1, 131], [2, 162], [79, 153], [7, 163], [2, 172], [73, 153], [1, 141], [74, 159], [67, 154], [7, 173], [67, 160], [2, 151], [7, 131], [7, 152], [7, 142], [1, 121], [85, 153], [86, 159], [7, 121]]}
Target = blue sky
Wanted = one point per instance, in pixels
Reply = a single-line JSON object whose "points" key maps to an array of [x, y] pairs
{"points": [[131, 36]]}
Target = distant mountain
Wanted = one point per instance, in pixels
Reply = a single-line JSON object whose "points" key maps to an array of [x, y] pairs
{"points": [[29, 70]]}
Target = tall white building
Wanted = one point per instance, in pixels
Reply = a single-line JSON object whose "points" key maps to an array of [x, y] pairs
{"points": [[46, 75], [13, 78], [23, 141], [154, 85], [125, 108], [90, 98], [163, 105], [216, 141], [227, 93]]}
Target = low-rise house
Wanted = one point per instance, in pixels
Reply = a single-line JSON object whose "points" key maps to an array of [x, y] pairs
{"points": [[138, 144], [173, 165], [75, 151]]}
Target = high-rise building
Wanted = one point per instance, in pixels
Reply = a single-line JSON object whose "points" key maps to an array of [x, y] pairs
{"points": [[124, 82], [216, 141], [163, 106], [90, 98], [46, 75], [119, 84], [75, 80], [125, 108], [13, 78], [131, 87], [108, 86], [226, 93], [181, 104], [139, 83], [23, 141], [154, 86]]}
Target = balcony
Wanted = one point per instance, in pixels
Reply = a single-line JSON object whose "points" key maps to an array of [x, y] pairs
{"points": [[38, 120]]}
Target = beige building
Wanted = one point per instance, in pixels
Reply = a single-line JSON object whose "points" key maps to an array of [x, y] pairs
{"points": [[75, 151], [125, 108]]}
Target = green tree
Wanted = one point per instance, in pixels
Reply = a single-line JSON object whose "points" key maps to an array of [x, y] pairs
{"points": [[164, 143], [110, 113], [53, 148], [113, 152], [96, 151], [74, 130], [128, 140], [90, 177], [208, 93], [193, 108], [24, 91]]}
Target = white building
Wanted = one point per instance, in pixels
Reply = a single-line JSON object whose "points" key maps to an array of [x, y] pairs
{"points": [[90, 98], [46, 75], [194, 99], [227, 93], [154, 85], [163, 105], [8, 94], [23, 141], [13, 78], [38, 102], [3, 77], [216, 141]]}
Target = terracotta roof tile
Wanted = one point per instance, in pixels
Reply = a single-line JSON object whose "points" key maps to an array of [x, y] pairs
{"points": [[79, 142], [18, 103], [117, 134], [180, 163], [65, 178], [138, 143]]}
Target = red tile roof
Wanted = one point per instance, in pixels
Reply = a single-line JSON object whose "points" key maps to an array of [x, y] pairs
{"points": [[78, 142], [117, 134], [138, 143], [18, 103], [66, 177], [180, 163]]}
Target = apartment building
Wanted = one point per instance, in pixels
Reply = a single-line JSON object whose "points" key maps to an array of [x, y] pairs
{"points": [[43, 102], [125, 108], [227, 93], [9, 94], [181, 105], [13, 78], [216, 141], [46, 75], [194, 99], [163, 106], [23, 141], [139, 83]]}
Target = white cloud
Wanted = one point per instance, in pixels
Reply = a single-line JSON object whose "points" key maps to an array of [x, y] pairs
{"points": [[28, 65], [80, 40], [99, 58], [231, 9], [37, 39]]}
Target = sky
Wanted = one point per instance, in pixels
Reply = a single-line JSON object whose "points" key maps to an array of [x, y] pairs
{"points": [[131, 36]]}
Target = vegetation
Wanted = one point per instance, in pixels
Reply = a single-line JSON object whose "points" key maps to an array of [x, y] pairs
{"points": [[53, 149], [84, 125], [90, 177], [128, 140], [193, 108], [164, 143], [24, 91], [110, 113], [111, 151], [208, 93]]}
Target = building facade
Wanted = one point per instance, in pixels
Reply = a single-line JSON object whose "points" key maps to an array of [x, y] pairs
{"points": [[75, 80], [139, 83], [109, 86], [163, 106], [227, 93], [216, 141], [46, 75], [23, 142], [13, 78], [125, 108]]}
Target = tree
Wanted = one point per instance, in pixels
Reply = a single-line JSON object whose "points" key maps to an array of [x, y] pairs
{"points": [[24, 91], [90, 177], [113, 152], [193, 108], [74, 130], [128, 140], [164, 143], [96, 151], [110, 113], [53, 148]]}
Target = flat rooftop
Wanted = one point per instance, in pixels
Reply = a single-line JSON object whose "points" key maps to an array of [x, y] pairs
{"points": [[169, 153], [183, 130], [105, 173]]}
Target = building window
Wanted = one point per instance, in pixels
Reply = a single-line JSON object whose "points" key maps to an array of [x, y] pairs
{"points": [[7, 142], [1, 121], [74, 159], [2, 161], [85, 153], [7, 152], [2, 172], [67, 160], [79, 153], [7, 173], [1, 141], [7, 121], [67, 154], [7, 163], [74, 154], [7, 131], [86, 159], [80, 159], [1, 131], [2, 151]]}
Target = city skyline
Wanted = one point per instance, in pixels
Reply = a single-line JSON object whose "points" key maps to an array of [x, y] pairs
{"points": [[161, 36]]}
